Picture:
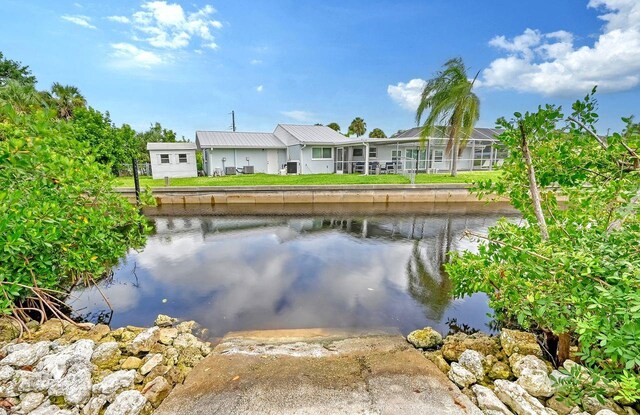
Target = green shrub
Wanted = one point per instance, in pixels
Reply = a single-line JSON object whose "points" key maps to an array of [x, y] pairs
{"points": [[60, 222]]}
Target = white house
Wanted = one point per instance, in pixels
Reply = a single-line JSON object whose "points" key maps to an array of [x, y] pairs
{"points": [[311, 149], [173, 159]]}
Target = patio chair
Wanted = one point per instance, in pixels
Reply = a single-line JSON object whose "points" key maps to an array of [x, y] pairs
{"points": [[390, 167], [359, 167], [374, 167]]}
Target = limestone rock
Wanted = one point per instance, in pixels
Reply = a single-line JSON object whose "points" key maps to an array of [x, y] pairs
{"points": [[536, 382], [514, 341], [150, 361], [165, 321], [184, 340], [106, 355], [97, 332], [461, 376], [438, 360], [30, 401], [159, 370], [143, 341], [190, 356], [131, 362], [27, 356], [6, 373], [488, 401], [95, 405], [58, 363], [186, 326], [9, 389], [156, 391], [167, 334], [129, 402], [560, 406], [606, 412], [426, 338], [519, 400], [456, 344], [473, 362], [499, 370], [593, 406], [28, 381], [9, 329], [51, 329], [530, 362], [75, 386], [110, 385]]}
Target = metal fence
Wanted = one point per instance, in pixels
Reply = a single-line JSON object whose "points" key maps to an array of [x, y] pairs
{"points": [[144, 169]]}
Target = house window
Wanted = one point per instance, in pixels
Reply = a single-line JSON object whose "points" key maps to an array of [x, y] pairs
{"points": [[182, 158], [373, 152], [357, 152], [438, 156], [396, 155], [164, 159], [321, 153]]}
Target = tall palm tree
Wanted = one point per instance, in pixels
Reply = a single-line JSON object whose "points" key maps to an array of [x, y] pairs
{"points": [[451, 103], [334, 126], [66, 99], [358, 127], [377, 133]]}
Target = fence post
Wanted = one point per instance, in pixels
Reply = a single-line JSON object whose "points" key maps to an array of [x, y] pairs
{"points": [[136, 179]]}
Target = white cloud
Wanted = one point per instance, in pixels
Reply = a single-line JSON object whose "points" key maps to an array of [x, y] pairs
{"points": [[256, 62], [550, 63], [259, 88], [166, 25], [303, 116], [80, 20], [126, 55], [119, 19], [407, 94]]}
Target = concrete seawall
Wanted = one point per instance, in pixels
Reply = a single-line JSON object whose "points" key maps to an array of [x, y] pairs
{"points": [[213, 195]]}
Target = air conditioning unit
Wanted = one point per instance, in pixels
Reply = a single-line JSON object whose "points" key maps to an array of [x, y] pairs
{"points": [[229, 171], [292, 167], [248, 170]]}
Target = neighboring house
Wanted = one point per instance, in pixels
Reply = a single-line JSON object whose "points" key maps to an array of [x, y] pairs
{"points": [[173, 159], [310, 149]]}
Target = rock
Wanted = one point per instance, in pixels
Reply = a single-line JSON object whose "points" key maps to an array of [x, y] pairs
{"points": [[516, 398], [190, 356], [472, 396], [150, 361], [499, 370], [557, 376], [184, 340], [438, 360], [57, 364], [46, 409], [95, 405], [536, 382], [176, 375], [593, 406], [473, 362], [106, 355], [461, 376], [426, 338], [560, 406], [143, 341], [129, 402], [159, 370], [30, 401], [456, 344], [171, 355], [9, 329], [9, 389], [6, 373], [156, 391], [166, 335], [165, 321], [514, 341], [113, 383], [488, 401], [27, 381], [131, 362], [97, 332], [51, 329], [27, 356], [527, 362], [186, 326], [75, 386], [605, 412]]}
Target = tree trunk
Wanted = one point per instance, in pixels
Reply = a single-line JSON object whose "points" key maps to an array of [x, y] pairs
{"points": [[454, 159], [564, 344], [533, 186]]}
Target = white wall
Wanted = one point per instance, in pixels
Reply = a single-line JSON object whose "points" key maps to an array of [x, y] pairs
{"points": [[173, 168], [310, 166], [238, 158]]}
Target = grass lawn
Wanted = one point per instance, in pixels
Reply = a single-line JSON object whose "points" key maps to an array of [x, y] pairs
{"points": [[309, 179]]}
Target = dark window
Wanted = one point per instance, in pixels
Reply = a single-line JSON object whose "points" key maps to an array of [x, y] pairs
{"points": [[357, 152], [182, 158], [164, 158]]}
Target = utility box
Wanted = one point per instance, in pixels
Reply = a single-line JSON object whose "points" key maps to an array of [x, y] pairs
{"points": [[229, 171], [292, 167], [248, 170]]}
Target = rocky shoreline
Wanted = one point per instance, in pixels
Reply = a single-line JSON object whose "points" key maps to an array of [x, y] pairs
{"points": [[63, 369], [507, 375]]}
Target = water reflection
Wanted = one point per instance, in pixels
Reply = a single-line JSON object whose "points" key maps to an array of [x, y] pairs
{"points": [[334, 270]]}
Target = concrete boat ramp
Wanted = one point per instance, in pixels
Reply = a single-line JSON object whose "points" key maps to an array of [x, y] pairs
{"points": [[316, 371]]}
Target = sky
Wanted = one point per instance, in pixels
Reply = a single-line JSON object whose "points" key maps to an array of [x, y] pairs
{"points": [[188, 64]]}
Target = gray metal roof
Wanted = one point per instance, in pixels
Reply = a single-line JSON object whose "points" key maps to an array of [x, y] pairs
{"points": [[313, 134], [229, 139], [171, 146], [477, 134]]}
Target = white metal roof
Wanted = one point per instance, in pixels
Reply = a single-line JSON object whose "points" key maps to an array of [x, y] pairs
{"points": [[318, 134], [477, 134], [230, 139], [171, 146]]}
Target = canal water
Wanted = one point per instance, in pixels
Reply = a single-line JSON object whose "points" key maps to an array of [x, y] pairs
{"points": [[252, 267]]}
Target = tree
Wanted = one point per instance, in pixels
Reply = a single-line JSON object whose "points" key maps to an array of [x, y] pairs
{"points": [[14, 71], [22, 97], [66, 99], [451, 103], [377, 133], [334, 126], [155, 134], [357, 127], [569, 269]]}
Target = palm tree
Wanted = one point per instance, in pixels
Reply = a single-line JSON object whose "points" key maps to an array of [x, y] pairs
{"points": [[66, 99], [357, 127], [451, 104], [22, 97], [334, 126], [377, 133]]}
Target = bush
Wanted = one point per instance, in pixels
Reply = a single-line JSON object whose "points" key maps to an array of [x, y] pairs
{"points": [[60, 222], [571, 268]]}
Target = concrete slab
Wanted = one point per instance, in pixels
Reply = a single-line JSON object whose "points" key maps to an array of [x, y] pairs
{"points": [[316, 371]]}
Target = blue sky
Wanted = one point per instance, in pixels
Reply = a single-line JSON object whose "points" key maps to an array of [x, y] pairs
{"points": [[187, 64]]}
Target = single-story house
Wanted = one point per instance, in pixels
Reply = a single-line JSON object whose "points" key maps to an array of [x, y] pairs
{"points": [[310, 149], [173, 159]]}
